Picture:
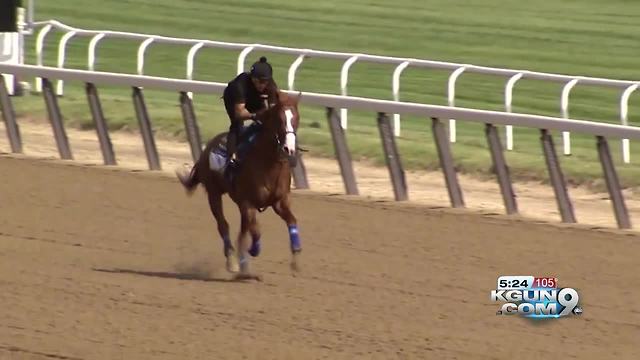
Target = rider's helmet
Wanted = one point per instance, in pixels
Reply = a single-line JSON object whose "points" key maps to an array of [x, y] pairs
{"points": [[262, 69]]}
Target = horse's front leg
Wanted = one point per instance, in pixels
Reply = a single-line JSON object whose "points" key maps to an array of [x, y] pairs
{"points": [[254, 229], [283, 209]]}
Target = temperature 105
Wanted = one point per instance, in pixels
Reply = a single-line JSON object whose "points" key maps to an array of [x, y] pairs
{"points": [[545, 282]]}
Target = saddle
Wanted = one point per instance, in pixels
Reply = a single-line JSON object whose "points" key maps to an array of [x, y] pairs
{"points": [[219, 156]]}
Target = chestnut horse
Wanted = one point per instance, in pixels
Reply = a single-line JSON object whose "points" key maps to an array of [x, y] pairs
{"points": [[262, 180]]}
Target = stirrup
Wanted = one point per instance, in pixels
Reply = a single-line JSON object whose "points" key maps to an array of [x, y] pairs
{"points": [[230, 169]]}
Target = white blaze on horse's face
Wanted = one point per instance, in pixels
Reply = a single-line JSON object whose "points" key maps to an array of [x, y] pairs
{"points": [[290, 137]]}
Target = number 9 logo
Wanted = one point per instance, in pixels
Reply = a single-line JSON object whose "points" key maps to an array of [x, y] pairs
{"points": [[568, 298]]}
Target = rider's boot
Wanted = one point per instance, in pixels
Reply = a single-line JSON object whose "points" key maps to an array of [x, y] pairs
{"points": [[232, 161]]}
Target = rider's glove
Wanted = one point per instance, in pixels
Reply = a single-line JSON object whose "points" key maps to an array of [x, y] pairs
{"points": [[254, 117]]}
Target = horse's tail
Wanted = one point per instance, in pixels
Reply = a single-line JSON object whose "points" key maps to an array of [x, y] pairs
{"points": [[200, 172], [190, 181]]}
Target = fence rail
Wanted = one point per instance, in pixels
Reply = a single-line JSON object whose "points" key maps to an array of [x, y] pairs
{"points": [[457, 69], [600, 131]]}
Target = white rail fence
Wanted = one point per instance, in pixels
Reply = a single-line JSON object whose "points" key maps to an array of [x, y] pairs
{"points": [[336, 101], [600, 131], [512, 76]]}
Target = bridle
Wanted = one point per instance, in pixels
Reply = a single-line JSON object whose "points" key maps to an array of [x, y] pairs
{"points": [[287, 148]]}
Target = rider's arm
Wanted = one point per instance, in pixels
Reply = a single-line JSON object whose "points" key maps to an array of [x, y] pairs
{"points": [[242, 113]]}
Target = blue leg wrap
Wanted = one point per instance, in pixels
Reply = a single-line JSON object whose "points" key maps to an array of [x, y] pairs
{"points": [[255, 246], [227, 244], [294, 238]]}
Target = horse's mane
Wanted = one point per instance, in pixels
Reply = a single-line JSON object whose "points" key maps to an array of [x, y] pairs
{"points": [[270, 115], [284, 99]]}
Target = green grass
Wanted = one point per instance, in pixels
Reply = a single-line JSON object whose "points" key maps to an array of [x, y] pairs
{"points": [[572, 37]]}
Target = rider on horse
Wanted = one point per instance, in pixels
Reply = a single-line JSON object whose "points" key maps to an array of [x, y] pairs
{"points": [[251, 95], [245, 96]]}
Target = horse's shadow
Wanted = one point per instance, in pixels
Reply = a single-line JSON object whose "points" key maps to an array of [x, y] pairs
{"points": [[192, 276]]}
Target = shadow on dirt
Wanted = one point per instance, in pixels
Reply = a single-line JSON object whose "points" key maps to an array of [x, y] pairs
{"points": [[169, 275]]}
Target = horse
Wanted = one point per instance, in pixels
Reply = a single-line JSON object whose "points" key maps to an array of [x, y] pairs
{"points": [[261, 180]]}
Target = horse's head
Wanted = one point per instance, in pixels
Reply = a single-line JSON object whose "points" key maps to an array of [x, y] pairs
{"points": [[283, 119]]}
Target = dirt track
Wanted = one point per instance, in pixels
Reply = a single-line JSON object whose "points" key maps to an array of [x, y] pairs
{"points": [[535, 200], [111, 264]]}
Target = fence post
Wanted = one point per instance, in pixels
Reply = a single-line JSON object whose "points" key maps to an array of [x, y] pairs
{"points": [[191, 125], [9, 115], [392, 157], [501, 169], [342, 152], [613, 184], [446, 163], [299, 173], [146, 130], [55, 117], [101, 126], [557, 178]]}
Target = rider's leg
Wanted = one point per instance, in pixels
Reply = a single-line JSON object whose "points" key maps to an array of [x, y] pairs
{"points": [[232, 142], [233, 134]]}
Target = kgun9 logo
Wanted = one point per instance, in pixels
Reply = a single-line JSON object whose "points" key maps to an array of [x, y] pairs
{"points": [[520, 297]]}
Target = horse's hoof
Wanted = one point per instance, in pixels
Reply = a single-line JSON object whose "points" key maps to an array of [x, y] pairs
{"points": [[232, 264], [244, 267], [255, 249], [295, 261]]}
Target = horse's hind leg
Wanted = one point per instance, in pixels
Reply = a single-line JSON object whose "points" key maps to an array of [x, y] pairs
{"points": [[283, 209], [247, 218], [215, 204], [245, 222]]}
